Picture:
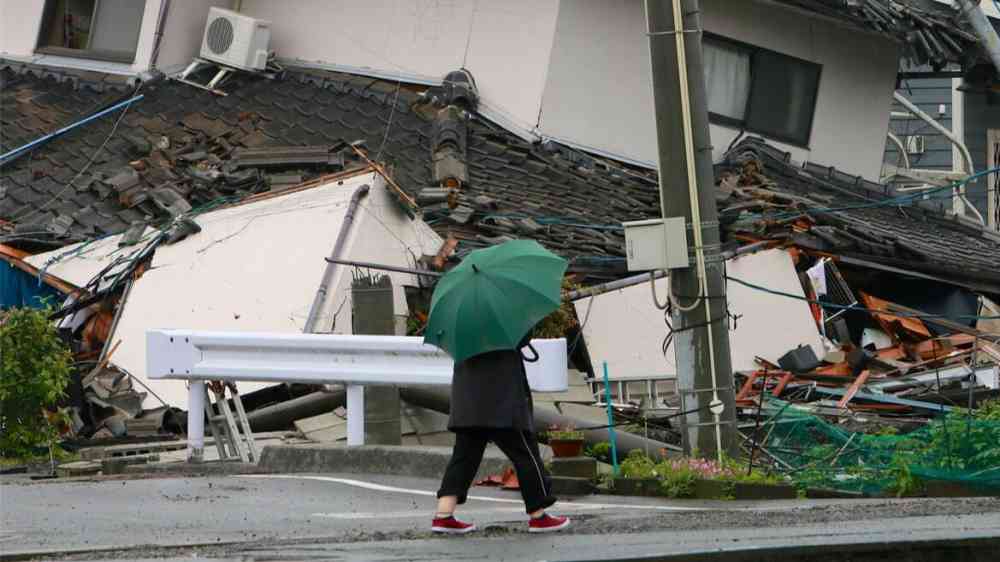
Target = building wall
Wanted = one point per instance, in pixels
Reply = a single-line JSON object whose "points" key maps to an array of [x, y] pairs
{"points": [[504, 44], [980, 116], [20, 22], [598, 91], [182, 33], [929, 94]]}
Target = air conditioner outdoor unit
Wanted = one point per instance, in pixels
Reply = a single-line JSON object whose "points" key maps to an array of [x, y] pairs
{"points": [[234, 39], [916, 144]]}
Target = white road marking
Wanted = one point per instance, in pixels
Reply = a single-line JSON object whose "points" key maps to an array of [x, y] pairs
{"points": [[562, 505]]}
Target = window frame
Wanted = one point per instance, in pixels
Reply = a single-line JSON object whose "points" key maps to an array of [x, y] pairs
{"points": [[48, 12], [742, 124]]}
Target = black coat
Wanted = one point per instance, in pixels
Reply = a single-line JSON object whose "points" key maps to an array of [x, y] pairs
{"points": [[491, 390]]}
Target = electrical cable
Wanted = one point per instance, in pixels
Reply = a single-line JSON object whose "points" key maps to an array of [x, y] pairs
{"points": [[89, 163], [859, 307]]}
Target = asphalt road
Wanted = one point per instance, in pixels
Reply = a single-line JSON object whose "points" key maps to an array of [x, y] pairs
{"points": [[352, 517]]}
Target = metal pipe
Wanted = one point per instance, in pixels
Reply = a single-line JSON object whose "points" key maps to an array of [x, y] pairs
{"points": [[384, 267], [280, 416], [983, 28], [161, 20], [902, 149], [331, 267], [923, 116], [4, 158], [196, 421], [644, 277], [439, 400]]}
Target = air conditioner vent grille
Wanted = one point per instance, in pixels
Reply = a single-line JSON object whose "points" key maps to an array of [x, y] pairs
{"points": [[220, 35]]}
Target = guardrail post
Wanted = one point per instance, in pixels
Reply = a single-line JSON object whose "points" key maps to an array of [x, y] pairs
{"points": [[196, 421], [355, 415]]}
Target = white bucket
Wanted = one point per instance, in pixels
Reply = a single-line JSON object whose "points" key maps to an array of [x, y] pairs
{"points": [[549, 373]]}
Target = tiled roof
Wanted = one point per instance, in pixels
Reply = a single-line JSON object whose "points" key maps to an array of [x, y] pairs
{"points": [[930, 33], [569, 201], [822, 209]]}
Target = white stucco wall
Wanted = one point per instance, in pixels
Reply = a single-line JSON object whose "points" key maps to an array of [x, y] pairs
{"points": [[598, 90], [20, 21], [504, 44], [182, 33]]}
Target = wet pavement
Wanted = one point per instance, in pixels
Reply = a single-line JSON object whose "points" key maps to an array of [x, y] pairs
{"points": [[353, 517]]}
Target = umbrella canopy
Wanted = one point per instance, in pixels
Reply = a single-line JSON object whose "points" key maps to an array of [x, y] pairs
{"points": [[493, 298]]}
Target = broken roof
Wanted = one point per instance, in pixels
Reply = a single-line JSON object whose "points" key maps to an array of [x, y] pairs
{"points": [[571, 202], [931, 33]]}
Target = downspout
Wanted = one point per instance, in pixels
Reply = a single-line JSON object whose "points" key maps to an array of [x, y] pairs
{"points": [[902, 149], [237, 5], [983, 28], [960, 202], [161, 21], [331, 267]]}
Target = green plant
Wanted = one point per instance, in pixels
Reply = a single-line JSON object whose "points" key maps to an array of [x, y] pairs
{"points": [[638, 465], [678, 483], [559, 322], [905, 483], [34, 371], [564, 433], [989, 410], [600, 451]]}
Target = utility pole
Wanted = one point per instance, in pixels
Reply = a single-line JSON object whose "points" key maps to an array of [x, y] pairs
{"points": [[687, 188]]}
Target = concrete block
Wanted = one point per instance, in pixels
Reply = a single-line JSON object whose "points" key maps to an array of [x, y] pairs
{"points": [[324, 428], [428, 462], [116, 465], [575, 467], [78, 468], [566, 486]]}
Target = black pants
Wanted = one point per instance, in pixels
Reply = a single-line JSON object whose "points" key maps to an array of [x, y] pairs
{"points": [[519, 446]]}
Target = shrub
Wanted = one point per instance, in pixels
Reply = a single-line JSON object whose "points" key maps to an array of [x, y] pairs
{"points": [[600, 451], [34, 371]]}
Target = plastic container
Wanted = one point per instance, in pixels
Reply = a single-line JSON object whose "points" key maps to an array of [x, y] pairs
{"points": [[549, 373]]}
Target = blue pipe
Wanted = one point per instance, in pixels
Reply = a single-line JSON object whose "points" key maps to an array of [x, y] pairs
{"points": [[50, 136], [611, 421]]}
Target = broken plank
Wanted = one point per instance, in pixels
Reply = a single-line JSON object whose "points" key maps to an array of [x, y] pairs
{"points": [[853, 389], [886, 399]]}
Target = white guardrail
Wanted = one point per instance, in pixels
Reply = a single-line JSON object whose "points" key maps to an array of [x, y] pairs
{"points": [[315, 359]]}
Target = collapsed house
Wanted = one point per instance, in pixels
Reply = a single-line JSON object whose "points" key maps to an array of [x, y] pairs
{"points": [[178, 157]]}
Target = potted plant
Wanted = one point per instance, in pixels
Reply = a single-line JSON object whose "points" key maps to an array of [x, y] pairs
{"points": [[565, 441]]}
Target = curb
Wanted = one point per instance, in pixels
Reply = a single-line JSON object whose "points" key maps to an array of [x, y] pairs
{"points": [[428, 462], [975, 549]]}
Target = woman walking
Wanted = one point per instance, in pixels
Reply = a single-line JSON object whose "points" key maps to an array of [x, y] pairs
{"points": [[482, 314], [491, 402]]}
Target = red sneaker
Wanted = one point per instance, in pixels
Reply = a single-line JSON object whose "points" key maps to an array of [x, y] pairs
{"points": [[451, 526], [547, 524]]}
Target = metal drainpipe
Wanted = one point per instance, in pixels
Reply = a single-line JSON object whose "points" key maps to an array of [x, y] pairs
{"points": [[161, 21], [331, 268], [902, 149], [960, 201], [983, 28]]}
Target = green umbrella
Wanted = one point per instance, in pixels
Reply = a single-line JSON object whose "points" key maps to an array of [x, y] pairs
{"points": [[494, 297]]}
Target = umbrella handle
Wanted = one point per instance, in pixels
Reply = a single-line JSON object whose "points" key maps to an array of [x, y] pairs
{"points": [[533, 350]]}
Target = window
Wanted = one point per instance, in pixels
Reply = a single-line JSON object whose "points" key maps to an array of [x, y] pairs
{"points": [[94, 29], [759, 90]]}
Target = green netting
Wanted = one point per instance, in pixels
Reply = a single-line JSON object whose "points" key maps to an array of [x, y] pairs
{"points": [[954, 448]]}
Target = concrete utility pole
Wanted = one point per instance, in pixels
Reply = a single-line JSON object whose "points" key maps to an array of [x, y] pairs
{"points": [[687, 188]]}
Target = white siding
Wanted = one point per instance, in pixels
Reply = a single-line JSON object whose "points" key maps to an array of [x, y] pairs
{"points": [[504, 44], [598, 91]]}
